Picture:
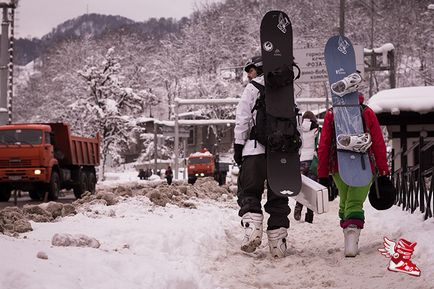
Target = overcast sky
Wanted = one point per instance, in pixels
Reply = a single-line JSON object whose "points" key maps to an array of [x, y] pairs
{"points": [[35, 18]]}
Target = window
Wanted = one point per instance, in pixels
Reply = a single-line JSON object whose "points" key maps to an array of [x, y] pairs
{"points": [[201, 160], [21, 137], [47, 138]]}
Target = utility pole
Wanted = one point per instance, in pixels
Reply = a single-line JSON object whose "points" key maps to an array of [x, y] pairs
{"points": [[371, 74], [5, 59], [155, 147], [342, 18], [381, 61]]}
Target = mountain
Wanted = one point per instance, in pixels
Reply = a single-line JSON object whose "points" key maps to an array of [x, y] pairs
{"points": [[86, 25], [93, 26]]}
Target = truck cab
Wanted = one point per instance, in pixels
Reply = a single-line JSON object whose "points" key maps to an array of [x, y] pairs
{"points": [[204, 164], [25, 154], [200, 164]]}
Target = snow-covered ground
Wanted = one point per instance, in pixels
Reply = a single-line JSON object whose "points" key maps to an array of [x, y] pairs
{"points": [[148, 246]]}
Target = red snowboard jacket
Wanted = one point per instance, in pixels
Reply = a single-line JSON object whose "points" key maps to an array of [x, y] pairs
{"points": [[327, 155]]}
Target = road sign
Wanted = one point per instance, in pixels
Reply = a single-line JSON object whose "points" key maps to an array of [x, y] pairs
{"points": [[312, 64]]}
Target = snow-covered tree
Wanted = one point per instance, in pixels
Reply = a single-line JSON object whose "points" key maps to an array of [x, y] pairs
{"points": [[109, 106]]}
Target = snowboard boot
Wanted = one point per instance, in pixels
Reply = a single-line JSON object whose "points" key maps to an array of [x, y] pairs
{"points": [[297, 211], [351, 236], [400, 261], [359, 143], [252, 224], [347, 84], [277, 242], [308, 218]]}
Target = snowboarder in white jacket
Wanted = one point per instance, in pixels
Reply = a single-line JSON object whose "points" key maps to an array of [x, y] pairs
{"points": [[250, 157], [310, 134]]}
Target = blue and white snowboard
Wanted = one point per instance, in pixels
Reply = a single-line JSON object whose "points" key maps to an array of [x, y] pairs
{"points": [[354, 168]]}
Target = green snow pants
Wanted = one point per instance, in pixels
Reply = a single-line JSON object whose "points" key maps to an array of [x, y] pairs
{"points": [[351, 199]]}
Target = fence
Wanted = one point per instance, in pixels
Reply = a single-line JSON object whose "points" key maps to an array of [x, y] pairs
{"points": [[415, 184]]}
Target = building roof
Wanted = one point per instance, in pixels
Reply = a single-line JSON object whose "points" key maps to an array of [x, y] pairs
{"points": [[418, 99]]}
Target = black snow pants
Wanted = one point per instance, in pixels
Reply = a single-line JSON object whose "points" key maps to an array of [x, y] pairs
{"points": [[251, 179]]}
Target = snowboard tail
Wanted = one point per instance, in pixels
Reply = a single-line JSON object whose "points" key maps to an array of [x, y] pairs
{"points": [[282, 177]]}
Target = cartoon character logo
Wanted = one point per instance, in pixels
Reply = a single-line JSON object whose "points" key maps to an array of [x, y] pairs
{"points": [[343, 45], [400, 254], [283, 22]]}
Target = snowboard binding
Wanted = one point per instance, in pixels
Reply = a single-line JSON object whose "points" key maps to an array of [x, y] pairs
{"points": [[280, 77], [359, 143], [347, 84], [279, 142], [284, 135]]}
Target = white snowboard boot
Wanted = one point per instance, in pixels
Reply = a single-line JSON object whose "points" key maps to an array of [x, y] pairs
{"points": [[351, 235], [252, 224], [347, 84], [277, 242]]}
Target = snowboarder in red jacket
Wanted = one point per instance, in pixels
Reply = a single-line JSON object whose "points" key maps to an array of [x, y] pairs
{"points": [[352, 198]]}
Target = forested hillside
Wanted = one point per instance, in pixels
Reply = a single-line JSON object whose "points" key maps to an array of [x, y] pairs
{"points": [[156, 63]]}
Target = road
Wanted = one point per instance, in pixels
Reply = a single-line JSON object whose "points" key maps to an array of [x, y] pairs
{"points": [[24, 199]]}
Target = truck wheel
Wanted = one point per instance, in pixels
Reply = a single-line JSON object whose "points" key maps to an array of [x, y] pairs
{"points": [[81, 187], [5, 194], [91, 182], [54, 188]]}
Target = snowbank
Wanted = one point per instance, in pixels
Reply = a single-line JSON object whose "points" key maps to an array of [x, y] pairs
{"points": [[146, 245]]}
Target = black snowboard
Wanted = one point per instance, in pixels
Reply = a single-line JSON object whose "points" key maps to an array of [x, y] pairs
{"points": [[283, 160]]}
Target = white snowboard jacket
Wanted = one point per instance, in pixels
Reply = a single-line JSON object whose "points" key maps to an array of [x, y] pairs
{"points": [[308, 136], [245, 119]]}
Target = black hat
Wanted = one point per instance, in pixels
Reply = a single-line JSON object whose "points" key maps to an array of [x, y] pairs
{"points": [[386, 196], [255, 61]]}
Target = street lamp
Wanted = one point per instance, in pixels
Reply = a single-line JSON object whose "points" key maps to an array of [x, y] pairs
{"points": [[431, 6]]}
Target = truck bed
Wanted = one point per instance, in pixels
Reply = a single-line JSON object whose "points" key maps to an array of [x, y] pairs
{"points": [[74, 150]]}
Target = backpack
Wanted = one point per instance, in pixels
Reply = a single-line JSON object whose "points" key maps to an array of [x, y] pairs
{"points": [[285, 136]]}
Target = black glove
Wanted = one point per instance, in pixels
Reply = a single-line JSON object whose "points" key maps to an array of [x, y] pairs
{"points": [[324, 181], [238, 153]]}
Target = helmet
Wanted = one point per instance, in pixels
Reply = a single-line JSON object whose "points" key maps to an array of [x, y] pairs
{"points": [[386, 195], [255, 61]]}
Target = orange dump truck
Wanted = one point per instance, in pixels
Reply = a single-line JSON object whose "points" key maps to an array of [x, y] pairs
{"points": [[45, 157], [205, 164]]}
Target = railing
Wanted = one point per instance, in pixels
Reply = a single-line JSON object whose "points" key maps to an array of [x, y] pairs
{"points": [[415, 184]]}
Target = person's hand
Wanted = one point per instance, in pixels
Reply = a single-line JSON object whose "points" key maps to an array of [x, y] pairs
{"points": [[324, 181], [238, 153]]}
